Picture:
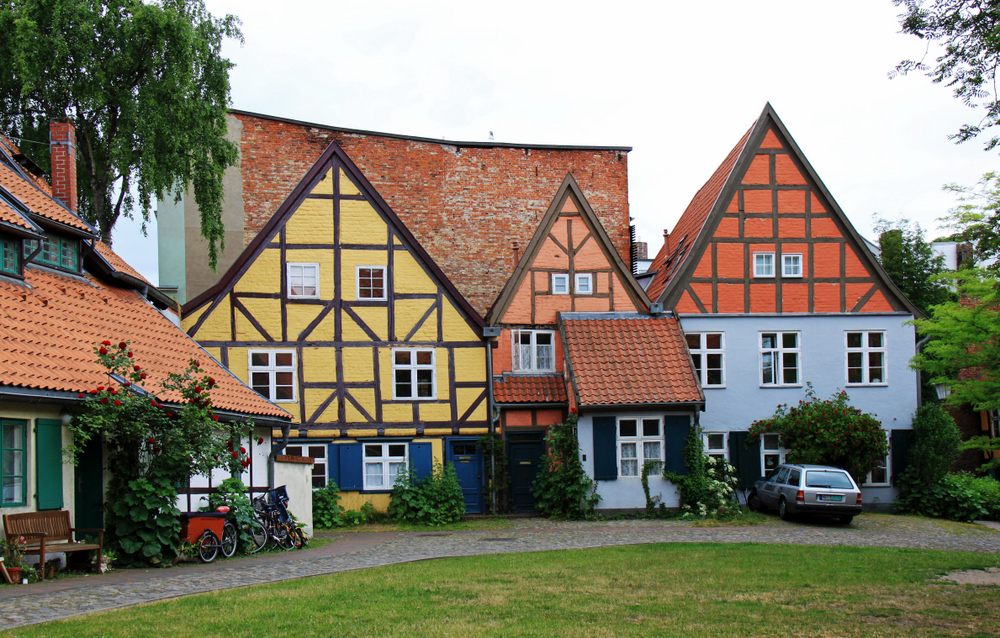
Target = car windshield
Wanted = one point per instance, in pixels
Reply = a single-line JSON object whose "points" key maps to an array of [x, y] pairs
{"points": [[827, 478]]}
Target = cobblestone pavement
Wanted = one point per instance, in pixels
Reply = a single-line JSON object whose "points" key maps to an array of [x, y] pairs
{"points": [[67, 597]]}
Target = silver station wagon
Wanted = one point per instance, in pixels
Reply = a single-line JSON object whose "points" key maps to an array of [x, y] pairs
{"points": [[807, 489]]}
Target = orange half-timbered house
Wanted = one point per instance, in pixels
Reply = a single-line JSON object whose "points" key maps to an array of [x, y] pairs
{"points": [[775, 291]]}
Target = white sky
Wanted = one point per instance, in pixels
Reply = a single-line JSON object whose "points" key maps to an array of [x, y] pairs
{"points": [[679, 82]]}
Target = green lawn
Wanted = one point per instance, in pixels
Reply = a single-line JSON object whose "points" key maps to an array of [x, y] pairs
{"points": [[645, 590]]}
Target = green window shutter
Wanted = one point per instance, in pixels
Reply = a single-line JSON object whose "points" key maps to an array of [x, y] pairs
{"points": [[605, 448], [48, 464], [745, 460], [675, 431], [899, 442]]}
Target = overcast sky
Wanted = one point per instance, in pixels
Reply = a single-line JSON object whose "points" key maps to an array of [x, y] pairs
{"points": [[678, 82]]}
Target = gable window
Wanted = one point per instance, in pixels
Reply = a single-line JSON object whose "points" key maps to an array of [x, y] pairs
{"points": [[584, 284], [791, 265], [639, 441], [866, 358], [534, 351], [303, 281], [560, 284], [708, 354], [13, 469], [371, 282], [763, 264], [383, 463], [318, 454], [772, 454], [56, 251], [779, 358], [9, 259], [413, 374], [272, 374]]}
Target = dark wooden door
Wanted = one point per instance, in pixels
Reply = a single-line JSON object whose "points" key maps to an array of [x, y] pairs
{"points": [[524, 458]]}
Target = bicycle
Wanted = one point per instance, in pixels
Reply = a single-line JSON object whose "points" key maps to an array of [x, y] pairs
{"points": [[230, 531], [272, 513], [203, 530]]}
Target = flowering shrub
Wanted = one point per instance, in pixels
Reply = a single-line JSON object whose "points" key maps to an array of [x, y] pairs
{"points": [[151, 448], [830, 432], [562, 489], [708, 490]]}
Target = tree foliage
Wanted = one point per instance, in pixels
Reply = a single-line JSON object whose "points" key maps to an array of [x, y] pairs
{"points": [[935, 447], [830, 432], [562, 488], [910, 262], [969, 31], [146, 87], [976, 219]]}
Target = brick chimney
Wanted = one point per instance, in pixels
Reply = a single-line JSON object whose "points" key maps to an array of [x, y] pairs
{"points": [[62, 147]]}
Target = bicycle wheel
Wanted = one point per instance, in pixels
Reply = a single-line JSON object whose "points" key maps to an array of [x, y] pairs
{"points": [[299, 538], [229, 538], [208, 547], [258, 536], [283, 536]]}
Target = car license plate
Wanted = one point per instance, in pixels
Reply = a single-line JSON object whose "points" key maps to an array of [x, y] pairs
{"points": [[830, 497]]}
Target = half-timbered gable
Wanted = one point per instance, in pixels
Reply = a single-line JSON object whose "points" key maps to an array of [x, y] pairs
{"points": [[776, 291], [335, 312]]}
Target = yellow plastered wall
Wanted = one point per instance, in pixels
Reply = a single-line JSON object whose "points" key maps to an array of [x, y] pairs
{"points": [[358, 364], [267, 312], [263, 275], [432, 411], [361, 224], [376, 318], [455, 327], [299, 317], [347, 187], [409, 312], [319, 365], [409, 275], [217, 326], [189, 320], [465, 397], [470, 364], [314, 256], [325, 185], [366, 399], [349, 262], [395, 412], [312, 223]]}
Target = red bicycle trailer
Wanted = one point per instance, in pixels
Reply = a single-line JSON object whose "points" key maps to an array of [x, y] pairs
{"points": [[203, 530]]}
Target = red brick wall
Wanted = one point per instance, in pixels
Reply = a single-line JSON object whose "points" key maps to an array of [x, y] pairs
{"points": [[466, 206]]}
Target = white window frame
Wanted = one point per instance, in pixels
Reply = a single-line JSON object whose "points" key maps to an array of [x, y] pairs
{"points": [[770, 446], [639, 441], [582, 288], [414, 369], [386, 461], [357, 283], [304, 275], [716, 452], [763, 265], [793, 260], [320, 465], [560, 283], [777, 357], [866, 351], [868, 482], [272, 369], [700, 354], [517, 353]]}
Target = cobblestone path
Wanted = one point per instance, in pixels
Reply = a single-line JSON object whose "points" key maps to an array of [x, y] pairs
{"points": [[62, 598]]}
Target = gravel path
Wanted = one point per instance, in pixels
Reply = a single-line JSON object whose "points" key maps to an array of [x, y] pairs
{"points": [[67, 597]]}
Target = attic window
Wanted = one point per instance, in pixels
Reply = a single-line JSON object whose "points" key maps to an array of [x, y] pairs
{"points": [[56, 251], [303, 281], [9, 259]]}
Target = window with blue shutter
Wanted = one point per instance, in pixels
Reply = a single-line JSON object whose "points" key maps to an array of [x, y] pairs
{"points": [[421, 460], [346, 462], [605, 448], [745, 459], [351, 467]]}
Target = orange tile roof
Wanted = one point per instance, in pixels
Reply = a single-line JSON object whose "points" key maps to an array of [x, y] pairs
{"points": [[530, 389], [628, 361], [11, 216], [690, 225], [40, 202], [117, 262]]}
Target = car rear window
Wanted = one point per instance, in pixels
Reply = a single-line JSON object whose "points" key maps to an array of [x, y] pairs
{"points": [[826, 478]]}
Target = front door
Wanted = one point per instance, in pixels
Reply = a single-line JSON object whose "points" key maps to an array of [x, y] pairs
{"points": [[89, 486], [468, 462], [525, 450]]}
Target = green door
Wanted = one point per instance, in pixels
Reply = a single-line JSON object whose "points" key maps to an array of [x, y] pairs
{"points": [[48, 464], [89, 486]]}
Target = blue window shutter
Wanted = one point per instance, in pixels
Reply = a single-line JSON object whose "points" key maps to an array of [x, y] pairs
{"points": [[605, 449], [351, 467], [745, 460], [675, 431], [899, 443], [421, 460], [333, 463], [48, 463]]}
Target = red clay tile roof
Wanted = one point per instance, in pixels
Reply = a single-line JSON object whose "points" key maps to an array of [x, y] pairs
{"points": [[689, 226], [39, 201], [530, 389], [11, 216], [117, 262], [633, 361]]}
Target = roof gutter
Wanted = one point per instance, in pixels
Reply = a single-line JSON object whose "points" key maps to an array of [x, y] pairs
{"points": [[678, 405]]}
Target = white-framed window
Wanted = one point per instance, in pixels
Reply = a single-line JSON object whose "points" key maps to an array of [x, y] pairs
{"points": [[560, 283], [791, 265], [772, 454], [13, 468], [639, 440], [534, 350], [763, 264], [584, 284], [716, 445], [272, 374], [879, 476], [383, 463], [780, 359], [303, 281], [708, 352], [413, 374], [866, 358], [371, 283], [318, 454]]}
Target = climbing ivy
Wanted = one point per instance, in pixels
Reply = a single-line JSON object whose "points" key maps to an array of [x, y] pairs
{"points": [[562, 488]]}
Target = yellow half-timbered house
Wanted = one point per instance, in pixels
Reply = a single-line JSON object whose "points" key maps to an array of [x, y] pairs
{"points": [[336, 313]]}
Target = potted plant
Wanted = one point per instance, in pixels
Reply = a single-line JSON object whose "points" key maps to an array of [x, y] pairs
{"points": [[10, 554]]}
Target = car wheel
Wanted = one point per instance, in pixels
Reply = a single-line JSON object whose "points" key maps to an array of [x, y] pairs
{"points": [[753, 502], [846, 519], [783, 510]]}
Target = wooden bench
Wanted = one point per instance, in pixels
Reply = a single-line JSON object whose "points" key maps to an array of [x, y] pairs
{"points": [[49, 533]]}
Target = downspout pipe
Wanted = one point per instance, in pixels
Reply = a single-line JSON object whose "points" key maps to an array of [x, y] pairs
{"points": [[285, 430], [920, 386], [490, 406]]}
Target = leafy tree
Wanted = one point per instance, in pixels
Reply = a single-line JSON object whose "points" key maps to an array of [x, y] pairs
{"points": [[970, 33], [976, 218], [146, 88], [830, 432], [910, 262], [935, 447]]}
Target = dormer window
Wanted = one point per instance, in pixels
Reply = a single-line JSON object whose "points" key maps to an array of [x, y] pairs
{"points": [[9, 258], [58, 252]]}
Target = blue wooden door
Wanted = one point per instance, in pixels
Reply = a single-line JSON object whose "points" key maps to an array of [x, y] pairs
{"points": [[468, 461]]}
